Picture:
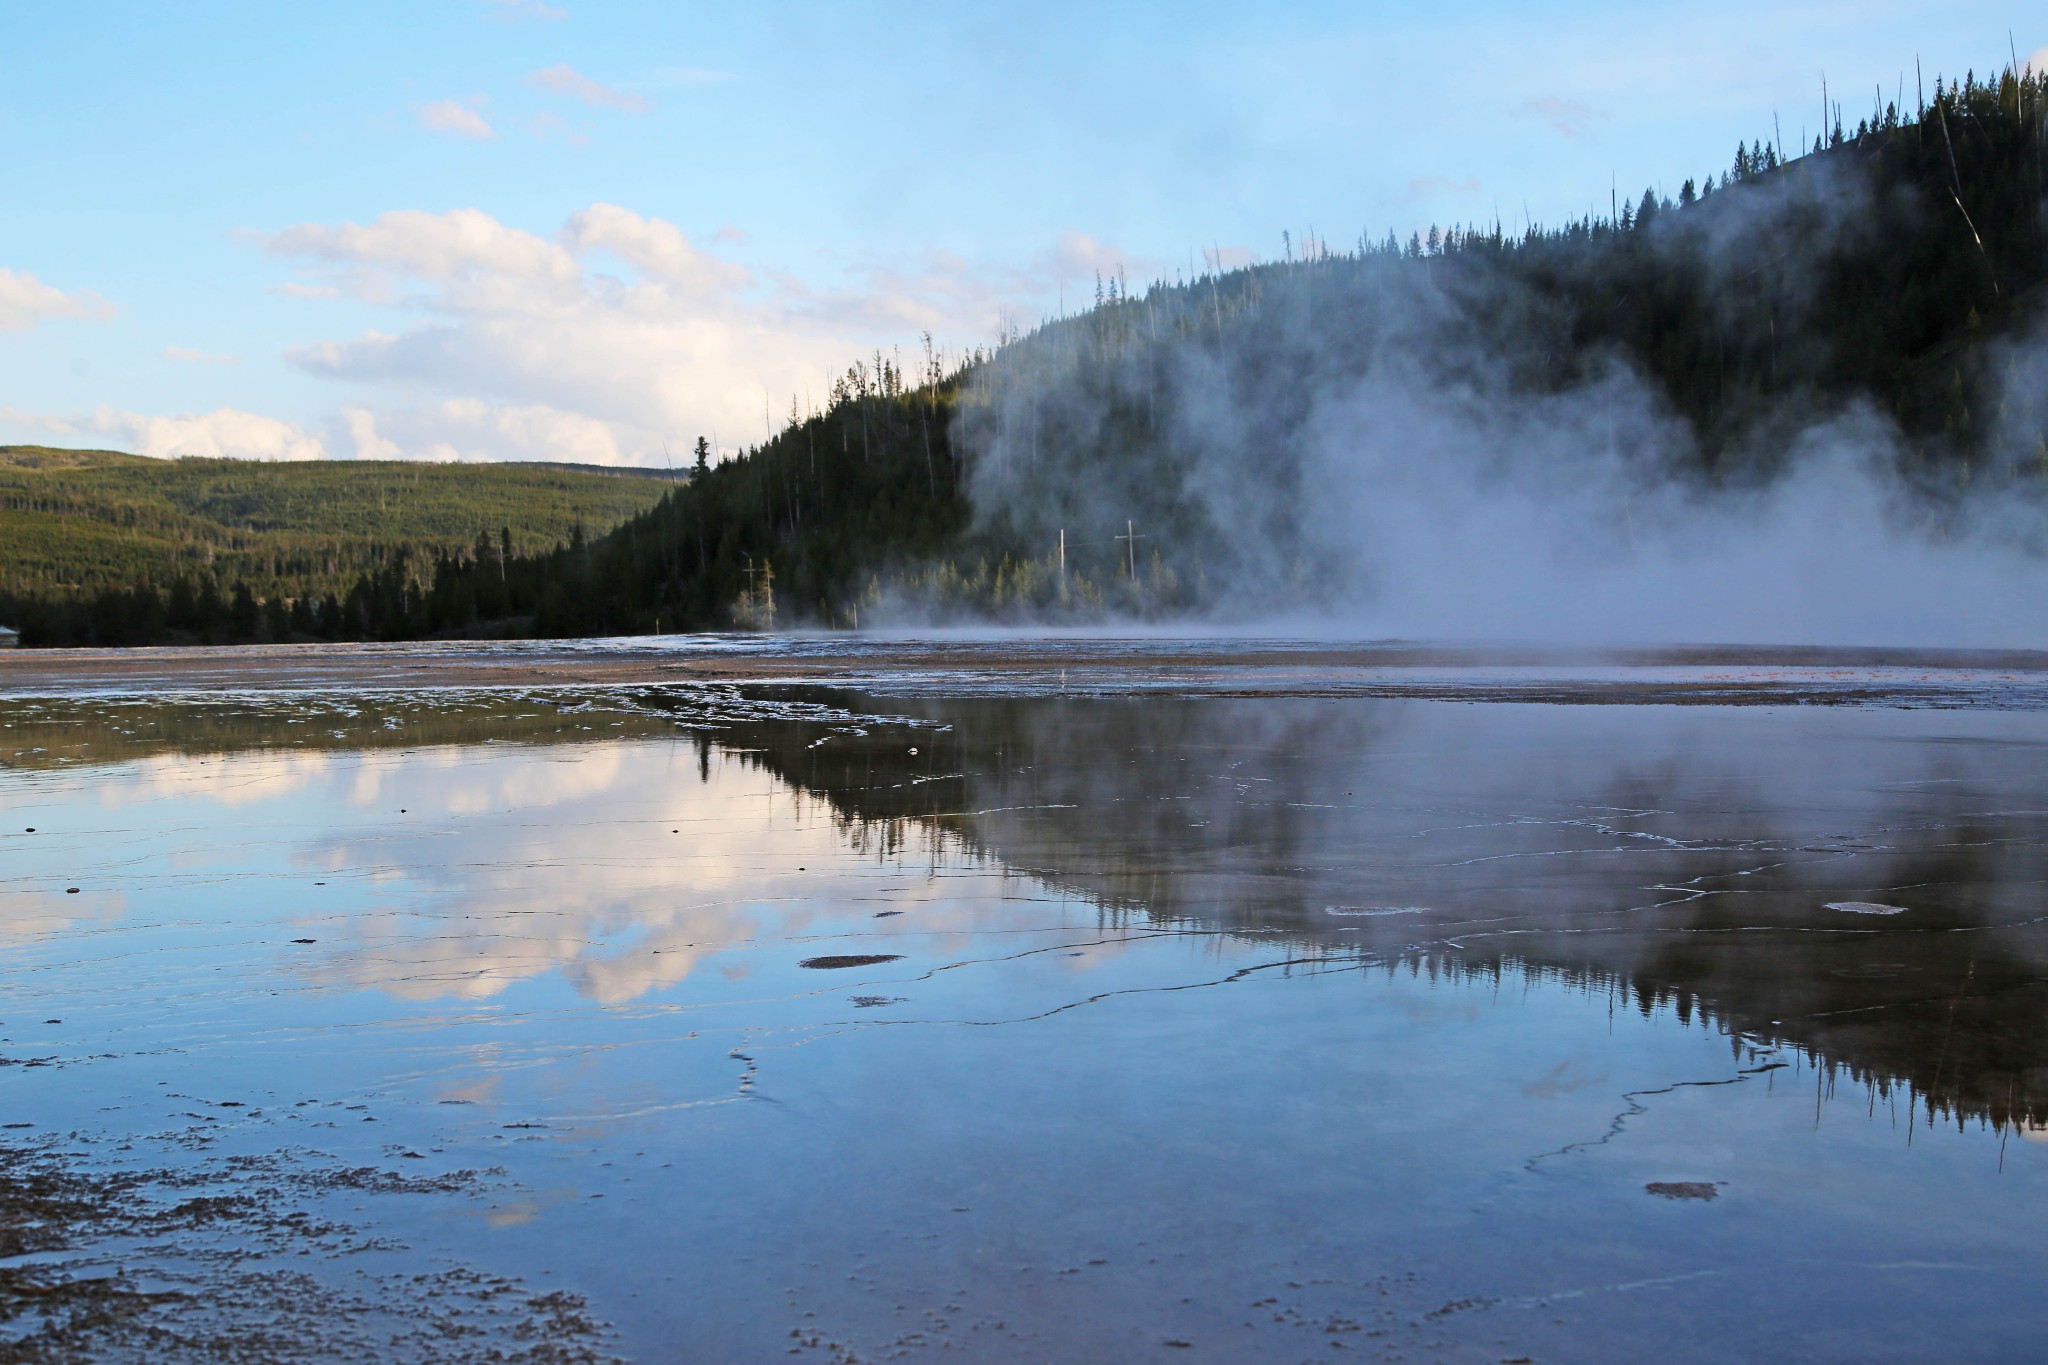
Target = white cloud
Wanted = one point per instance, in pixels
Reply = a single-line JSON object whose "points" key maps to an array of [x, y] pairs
{"points": [[655, 248], [224, 432], [457, 119], [361, 424], [563, 79], [2038, 63], [471, 429], [634, 366], [41, 422], [534, 356], [543, 432], [594, 345], [186, 355], [617, 333], [26, 300], [430, 246], [259, 778]]}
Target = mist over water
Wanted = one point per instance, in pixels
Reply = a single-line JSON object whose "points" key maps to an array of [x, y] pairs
{"points": [[1427, 447], [1512, 523]]}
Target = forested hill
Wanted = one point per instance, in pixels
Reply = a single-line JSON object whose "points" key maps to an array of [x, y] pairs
{"points": [[1879, 295], [74, 523], [1182, 442], [1192, 443]]}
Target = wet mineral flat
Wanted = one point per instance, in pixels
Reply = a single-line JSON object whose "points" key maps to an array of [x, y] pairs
{"points": [[735, 1022]]}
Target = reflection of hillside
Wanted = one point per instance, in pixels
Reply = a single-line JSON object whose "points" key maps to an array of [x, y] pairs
{"points": [[1669, 857], [1660, 856], [38, 733]]}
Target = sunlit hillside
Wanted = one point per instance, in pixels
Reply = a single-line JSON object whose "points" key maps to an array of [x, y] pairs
{"points": [[93, 519]]}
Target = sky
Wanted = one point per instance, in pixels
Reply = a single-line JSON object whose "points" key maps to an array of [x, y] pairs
{"points": [[588, 231]]}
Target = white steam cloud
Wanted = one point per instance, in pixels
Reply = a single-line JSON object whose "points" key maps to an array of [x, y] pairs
{"points": [[1368, 454]]}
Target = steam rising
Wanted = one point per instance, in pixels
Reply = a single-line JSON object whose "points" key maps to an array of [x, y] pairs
{"points": [[1419, 447]]}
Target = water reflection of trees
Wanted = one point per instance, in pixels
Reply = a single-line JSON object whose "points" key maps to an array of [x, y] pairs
{"points": [[1668, 859], [52, 733], [1664, 858]]}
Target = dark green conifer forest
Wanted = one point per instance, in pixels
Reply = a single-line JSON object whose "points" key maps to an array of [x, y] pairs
{"points": [[1894, 269]]}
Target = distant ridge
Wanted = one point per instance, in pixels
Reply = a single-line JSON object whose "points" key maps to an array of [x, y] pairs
{"points": [[74, 521]]}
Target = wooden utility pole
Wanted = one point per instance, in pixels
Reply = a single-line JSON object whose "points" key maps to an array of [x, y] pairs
{"points": [[1130, 537]]}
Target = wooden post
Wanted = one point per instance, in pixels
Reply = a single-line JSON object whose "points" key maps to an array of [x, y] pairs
{"points": [[1130, 537]]}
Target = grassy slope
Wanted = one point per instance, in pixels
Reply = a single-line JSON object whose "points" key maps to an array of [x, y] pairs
{"points": [[89, 518]]}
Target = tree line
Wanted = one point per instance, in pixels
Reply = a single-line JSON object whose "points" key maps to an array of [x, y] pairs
{"points": [[79, 521]]}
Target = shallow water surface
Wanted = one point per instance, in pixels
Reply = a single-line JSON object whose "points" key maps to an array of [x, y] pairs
{"points": [[700, 1023]]}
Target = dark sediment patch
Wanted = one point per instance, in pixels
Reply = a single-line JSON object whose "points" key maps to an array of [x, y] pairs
{"points": [[1682, 1189]]}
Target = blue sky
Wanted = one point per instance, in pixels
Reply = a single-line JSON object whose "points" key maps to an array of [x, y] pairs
{"points": [[565, 229]]}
